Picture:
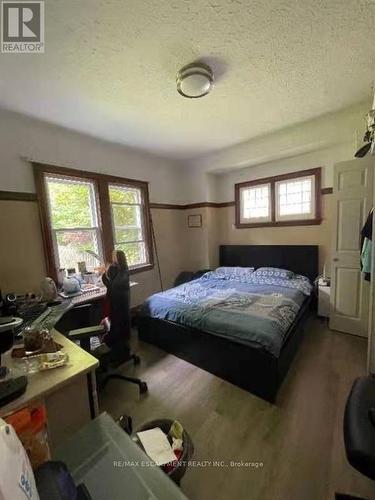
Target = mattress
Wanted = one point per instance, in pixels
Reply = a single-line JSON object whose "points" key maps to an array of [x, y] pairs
{"points": [[258, 312]]}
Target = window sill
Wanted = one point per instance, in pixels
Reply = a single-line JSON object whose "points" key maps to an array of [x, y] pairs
{"points": [[302, 222], [141, 269]]}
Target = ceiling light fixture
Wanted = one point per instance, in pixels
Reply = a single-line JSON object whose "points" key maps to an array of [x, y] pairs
{"points": [[194, 80]]}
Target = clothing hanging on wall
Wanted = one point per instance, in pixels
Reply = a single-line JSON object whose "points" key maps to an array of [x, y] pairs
{"points": [[366, 246]]}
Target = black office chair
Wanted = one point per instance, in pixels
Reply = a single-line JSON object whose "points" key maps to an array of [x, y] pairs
{"points": [[115, 350], [359, 430]]}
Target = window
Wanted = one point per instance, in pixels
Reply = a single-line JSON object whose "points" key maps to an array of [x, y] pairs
{"points": [[256, 203], [86, 215], [295, 199], [292, 199], [127, 222], [74, 222]]}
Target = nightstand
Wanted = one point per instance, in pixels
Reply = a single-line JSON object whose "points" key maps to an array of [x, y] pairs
{"points": [[324, 294]]}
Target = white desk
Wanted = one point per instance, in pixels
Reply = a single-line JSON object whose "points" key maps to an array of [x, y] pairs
{"points": [[65, 391]]}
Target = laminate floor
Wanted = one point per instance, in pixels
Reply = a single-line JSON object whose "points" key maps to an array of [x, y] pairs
{"points": [[298, 440]]}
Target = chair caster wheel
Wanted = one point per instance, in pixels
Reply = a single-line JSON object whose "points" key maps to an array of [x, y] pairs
{"points": [[136, 360], [143, 388]]}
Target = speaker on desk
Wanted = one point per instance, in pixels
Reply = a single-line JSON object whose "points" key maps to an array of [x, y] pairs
{"points": [[9, 304]]}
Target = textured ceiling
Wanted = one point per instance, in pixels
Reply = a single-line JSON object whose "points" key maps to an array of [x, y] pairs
{"points": [[109, 68]]}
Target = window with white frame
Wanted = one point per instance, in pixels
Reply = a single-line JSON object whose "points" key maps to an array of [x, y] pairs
{"points": [[282, 200], [295, 199], [128, 224], [74, 222], [256, 203]]}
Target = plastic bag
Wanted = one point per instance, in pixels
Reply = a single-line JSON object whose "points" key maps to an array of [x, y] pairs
{"points": [[17, 480]]}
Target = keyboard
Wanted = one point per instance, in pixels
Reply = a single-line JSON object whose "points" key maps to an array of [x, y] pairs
{"points": [[88, 296]]}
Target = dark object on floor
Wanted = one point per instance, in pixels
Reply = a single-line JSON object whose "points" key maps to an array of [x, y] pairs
{"points": [[114, 349], [359, 429], [126, 423], [252, 369], [179, 471], [54, 482], [186, 276]]}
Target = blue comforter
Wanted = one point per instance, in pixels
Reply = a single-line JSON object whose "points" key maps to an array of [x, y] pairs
{"points": [[258, 312]]}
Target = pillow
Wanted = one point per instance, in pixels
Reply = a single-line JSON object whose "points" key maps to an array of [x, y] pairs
{"points": [[274, 272], [234, 273]]}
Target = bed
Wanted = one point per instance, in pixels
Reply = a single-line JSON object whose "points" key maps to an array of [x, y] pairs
{"points": [[245, 329]]}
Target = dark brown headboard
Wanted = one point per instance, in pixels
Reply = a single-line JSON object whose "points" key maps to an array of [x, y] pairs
{"points": [[301, 259]]}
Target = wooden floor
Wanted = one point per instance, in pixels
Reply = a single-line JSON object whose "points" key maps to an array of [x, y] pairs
{"points": [[299, 441]]}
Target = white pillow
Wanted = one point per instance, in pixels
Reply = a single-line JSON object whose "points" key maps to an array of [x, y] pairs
{"points": [[234, 273]]}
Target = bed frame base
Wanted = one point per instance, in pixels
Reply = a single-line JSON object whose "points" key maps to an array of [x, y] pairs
{"points": [[254, 370]]}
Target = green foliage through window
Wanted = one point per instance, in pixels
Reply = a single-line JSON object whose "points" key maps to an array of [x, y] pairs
{"points": [[70, 204]]}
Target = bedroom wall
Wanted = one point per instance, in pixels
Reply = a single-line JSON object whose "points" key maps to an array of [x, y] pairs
{"points": [[180, 248], [320, 142], [21, 255], [295, 235]]}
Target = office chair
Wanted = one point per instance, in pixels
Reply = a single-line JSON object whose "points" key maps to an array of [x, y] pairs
{"points": [[359, 430], [115, 350]]}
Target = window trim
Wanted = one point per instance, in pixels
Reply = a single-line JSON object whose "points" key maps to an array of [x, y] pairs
{"points": [[102, 182], [316, 172]]}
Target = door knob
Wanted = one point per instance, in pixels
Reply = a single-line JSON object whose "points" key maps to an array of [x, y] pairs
{"points": [[335, 259]]}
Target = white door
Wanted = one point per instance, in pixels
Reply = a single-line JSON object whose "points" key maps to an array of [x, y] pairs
{"points": [[371, 330], [353, 199]]}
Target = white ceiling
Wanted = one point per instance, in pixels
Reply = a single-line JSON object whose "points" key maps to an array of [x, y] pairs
{"points": [[109, 68]]}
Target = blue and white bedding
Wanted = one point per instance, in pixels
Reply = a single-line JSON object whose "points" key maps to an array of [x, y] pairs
{"points": [[246, 307]]}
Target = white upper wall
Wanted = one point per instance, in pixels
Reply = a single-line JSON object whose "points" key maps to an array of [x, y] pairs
{"points": [[320, 142], [325, 158], [22, 137]]}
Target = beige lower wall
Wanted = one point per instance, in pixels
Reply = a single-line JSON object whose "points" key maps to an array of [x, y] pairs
{"points": [[22, 265], [179, 247], [21, 249], [291, 235]]}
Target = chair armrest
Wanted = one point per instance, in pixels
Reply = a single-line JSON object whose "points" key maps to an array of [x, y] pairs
{"points": [[84, 333]]}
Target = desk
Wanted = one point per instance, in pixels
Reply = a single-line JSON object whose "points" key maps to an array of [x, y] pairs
{"points": [[87, 297], [69, 393], [83, 310], [65, 391]]}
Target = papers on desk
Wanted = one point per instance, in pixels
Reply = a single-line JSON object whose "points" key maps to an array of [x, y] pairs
{"points": [[156, 445]]}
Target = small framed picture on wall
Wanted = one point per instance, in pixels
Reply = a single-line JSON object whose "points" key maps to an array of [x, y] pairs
{"points": [[195, 220]]}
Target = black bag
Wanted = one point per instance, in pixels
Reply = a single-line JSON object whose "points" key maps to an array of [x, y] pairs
{"points": [[54, 482]]}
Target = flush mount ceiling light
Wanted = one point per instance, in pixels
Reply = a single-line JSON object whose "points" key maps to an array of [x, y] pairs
{"points": [[194, 80]]}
